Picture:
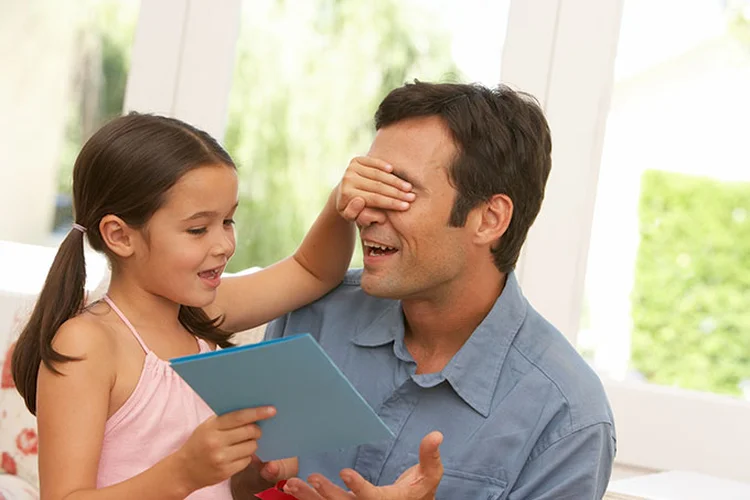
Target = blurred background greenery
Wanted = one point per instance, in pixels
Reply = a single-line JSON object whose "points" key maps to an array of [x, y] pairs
{"points": [[691, 326]]}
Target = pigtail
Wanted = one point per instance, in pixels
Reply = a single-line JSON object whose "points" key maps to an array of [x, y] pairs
{"points": [[62, 297], [196, 321]]}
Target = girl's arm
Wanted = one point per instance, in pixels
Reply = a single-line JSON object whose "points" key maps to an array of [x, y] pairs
{"points": [[323, 258], [72, 411]]}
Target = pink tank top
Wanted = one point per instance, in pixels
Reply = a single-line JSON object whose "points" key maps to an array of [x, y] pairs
{"points": [[155, 421]]}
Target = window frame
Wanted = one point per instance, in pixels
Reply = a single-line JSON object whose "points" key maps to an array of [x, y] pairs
{"points": [[658, 427]]}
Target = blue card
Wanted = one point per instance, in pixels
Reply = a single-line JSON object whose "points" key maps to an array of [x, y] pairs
{"points": [[317, 408]]}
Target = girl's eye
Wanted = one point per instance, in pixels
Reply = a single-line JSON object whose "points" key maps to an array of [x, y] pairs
{"points": [[228, 222], [197, 230]]}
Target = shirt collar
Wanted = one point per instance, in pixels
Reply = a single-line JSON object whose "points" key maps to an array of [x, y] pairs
{"points": [[474, 370]]}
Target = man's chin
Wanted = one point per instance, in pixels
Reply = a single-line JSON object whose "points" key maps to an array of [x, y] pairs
{"points": [[377, 286]]}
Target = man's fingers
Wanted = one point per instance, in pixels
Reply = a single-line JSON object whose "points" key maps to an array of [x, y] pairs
{"points": [[244, 417], [360, 486], [326, 489], [429, 455], [301, 490], [271, 472], [277, 470]]}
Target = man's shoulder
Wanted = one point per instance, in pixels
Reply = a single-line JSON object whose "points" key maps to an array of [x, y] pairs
{"points": [[549, 356], [346, 306], [352, 278], [348, 295]]}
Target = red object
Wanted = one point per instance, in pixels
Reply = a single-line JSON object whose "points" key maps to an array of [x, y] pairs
{"points": [[7, 380], [275, 493], [27, 442], [8, 464]]}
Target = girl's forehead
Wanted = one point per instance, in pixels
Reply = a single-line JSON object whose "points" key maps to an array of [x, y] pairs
{"points": [[212, 188]]}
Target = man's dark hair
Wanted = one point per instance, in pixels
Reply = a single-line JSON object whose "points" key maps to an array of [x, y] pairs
{"points": [[503, 143]]}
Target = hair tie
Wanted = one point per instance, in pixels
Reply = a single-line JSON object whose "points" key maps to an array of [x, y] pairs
{"points": [[79, 227]]}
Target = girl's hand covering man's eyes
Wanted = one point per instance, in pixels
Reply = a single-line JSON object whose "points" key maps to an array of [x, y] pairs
{"points": [[370, 183]]}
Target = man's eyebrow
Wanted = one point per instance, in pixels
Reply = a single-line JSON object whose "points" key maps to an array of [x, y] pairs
{"points": [[206, 214]]}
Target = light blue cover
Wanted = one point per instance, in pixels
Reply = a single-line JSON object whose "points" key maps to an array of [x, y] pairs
{"points": [[317, 407]]}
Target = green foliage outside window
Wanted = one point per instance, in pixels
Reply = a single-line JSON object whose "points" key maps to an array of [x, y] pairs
{"points": [[692, 283]]}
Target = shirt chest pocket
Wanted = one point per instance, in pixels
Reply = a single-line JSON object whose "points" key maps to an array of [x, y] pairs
{"points": [[461, 485]]}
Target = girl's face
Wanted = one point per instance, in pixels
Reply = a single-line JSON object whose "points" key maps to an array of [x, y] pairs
{"points": [[187, 242]]}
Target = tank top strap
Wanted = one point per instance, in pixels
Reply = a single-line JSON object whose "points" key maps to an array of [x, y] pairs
{"points": [[203, 345], [127, 323]]}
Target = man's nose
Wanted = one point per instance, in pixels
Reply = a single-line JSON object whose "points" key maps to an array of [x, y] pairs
{"points": [[370, 216]]}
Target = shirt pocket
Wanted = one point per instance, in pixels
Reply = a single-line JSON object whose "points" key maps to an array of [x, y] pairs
{"points": [[457, 484]]}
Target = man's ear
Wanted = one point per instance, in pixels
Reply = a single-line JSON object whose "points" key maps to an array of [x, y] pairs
{"points": [[117, 235], [492, 219]]}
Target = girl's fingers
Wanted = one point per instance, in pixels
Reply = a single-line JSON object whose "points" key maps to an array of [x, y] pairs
{"points": [[375, 200], [363, 172], [241, 451], [375, 186], [353, 208], [244, 433], [369, 161], [378, 174]]}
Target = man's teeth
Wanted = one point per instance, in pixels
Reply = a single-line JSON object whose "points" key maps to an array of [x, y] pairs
{"points": [[377, 249], [381, 247]]}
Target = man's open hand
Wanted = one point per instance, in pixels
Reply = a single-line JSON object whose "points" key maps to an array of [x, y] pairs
{"points": [[420, 482]]}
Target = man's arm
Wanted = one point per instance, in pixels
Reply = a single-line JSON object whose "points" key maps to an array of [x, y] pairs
{"points": [[576, 467], [275, 329]]}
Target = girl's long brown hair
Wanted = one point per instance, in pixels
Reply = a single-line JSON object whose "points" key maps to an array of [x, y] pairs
{"points": [[124, 169]]}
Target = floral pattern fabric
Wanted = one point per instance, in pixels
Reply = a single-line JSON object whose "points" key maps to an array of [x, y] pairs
{"points": [[13, 488], [18, 435]]}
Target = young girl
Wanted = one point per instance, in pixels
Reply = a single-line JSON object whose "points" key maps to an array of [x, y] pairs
{"points": [[157, 196]]}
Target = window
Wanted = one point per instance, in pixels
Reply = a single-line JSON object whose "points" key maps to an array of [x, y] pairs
{"points": [[660, 425], [64, 76], [307, 80], [668, 285]]}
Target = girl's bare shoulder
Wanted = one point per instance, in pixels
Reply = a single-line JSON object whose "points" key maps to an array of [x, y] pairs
{"points": [[89, 333]]}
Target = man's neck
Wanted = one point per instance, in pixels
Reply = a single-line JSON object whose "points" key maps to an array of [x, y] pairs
{"points": [[435, 329]]}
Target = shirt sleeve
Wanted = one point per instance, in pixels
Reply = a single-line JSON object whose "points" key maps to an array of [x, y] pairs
{"points": [[576, 467], [275, 328]]}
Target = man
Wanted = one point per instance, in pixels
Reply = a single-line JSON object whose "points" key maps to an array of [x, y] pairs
{"points": [[435, 332]]}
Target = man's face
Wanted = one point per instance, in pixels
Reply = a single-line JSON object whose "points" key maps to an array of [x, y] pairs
{"points": [[423, 254]]}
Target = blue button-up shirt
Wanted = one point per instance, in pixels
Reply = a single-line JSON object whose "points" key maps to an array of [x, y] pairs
{"points": [[523, 416]]}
